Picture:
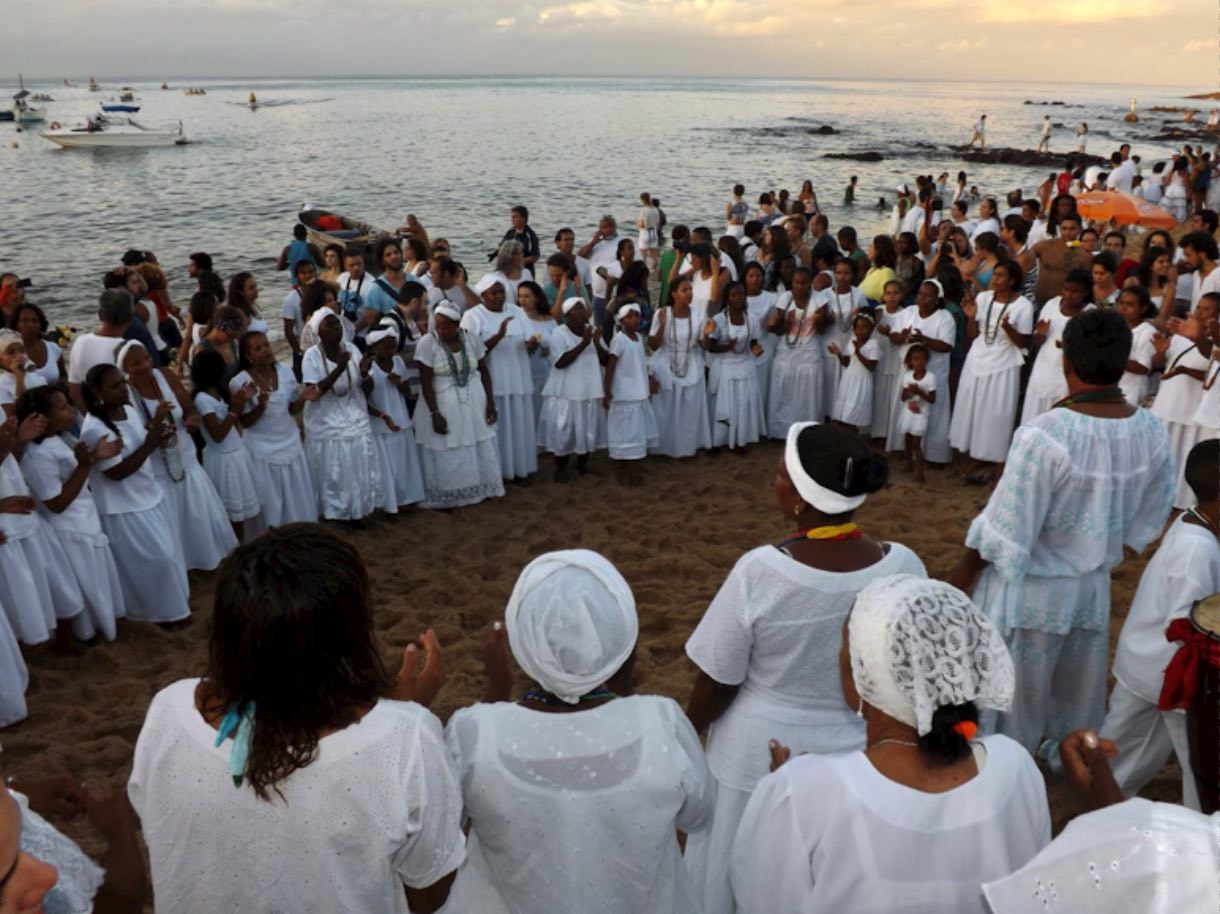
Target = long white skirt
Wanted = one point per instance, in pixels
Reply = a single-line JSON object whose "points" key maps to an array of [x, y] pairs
{"points": [[459, 476], [150, 564], [572, 426], [285, 490], [92, 565], [682, 421], [197, 515], [517, 435], [25, 588], [708, 852], [1182, 438], [401, 477], [854, 400], [13, 676], [796, 392], [347, 475], [762, 370], [832, 373], [631, 429], [1042, 392], [885, 401], [737, 415], [984, 414], [232, 473], [909, 423]]}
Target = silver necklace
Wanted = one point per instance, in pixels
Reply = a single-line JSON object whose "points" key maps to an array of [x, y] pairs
{"points": [[334, 388], [679, 370], [990, 333], [893, 742], [791, 341], [845, 322]]}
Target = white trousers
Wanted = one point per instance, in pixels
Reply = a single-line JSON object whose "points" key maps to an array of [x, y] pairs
{"points": [[1145, 738]]}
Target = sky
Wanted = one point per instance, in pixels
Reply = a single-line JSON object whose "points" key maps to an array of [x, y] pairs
{"points": [[1149, 42]]}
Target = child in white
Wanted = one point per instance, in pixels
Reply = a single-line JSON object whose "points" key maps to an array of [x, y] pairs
{"points": [[738, 418], [225, 457], [573, 420], [1184, 569], [1047, 383], [918, 392], [631, 427], [844, 301], [1135, 311], [760, 302], [854, 398], [886, 378], [401, 476], [58, 476]]}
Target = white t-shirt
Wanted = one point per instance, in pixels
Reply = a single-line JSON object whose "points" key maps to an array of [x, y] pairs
{"points": [[1208, 283], [209, 405], [1120, 177], [990, 224], [831, 833], [8, 385], [378, 807], [88, 350], [138, 492], [927, 384], [630, 381], [1000, 353], [604, 253], [292, 312]]}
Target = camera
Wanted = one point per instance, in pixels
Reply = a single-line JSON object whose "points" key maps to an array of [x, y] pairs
{"points": [[683, 245]]}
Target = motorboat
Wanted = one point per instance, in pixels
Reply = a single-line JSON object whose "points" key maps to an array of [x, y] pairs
{"points": [[127, 94], [103, 131], [120, 109], [194, 91], [323, 227], [164, 85], [41, 97], [93, 86], [23, 111]]}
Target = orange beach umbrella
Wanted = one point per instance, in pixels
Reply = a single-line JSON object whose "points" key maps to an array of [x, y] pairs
{"points": [[1111, 206]]}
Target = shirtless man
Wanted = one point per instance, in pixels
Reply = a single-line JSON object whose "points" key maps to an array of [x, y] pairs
{"points": [[1057, 256]]}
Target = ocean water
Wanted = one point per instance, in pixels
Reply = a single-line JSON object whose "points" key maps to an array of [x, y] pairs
{"points": [[459, 152]]}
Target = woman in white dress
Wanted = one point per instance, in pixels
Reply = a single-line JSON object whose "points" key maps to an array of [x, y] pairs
{"points": [[243, 295], [1047, 385], [16, 374], [1136, 308], [677, 363], [631, 426], [337, 754], [737, 405], [1180, 392], [854, 400], [39, 597], [930, 324], [843, 302], [129, 501], [866, 830], [766, 646], [575, 793], [1000, 321], [1175, 198], [540, 325], [225, 457], [573, 420], [58, 474], [760, 302], [456, 434], [46, 357], [401, 474], [503, 330], [891, 322], [338, 437], [197, 515], [707, 277], [797, 376], [281, 469]]}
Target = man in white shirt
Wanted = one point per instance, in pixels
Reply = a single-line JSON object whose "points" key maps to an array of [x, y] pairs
{"points": [[565, 244], [115, 309], [304, 273], [601, 251], [1121, 174], [354, 286], [1044, 142], [980, 133], [987, 219], [1199, 255]]}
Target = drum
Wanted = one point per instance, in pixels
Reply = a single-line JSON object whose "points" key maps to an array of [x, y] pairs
{"points": [[1203, 715]]}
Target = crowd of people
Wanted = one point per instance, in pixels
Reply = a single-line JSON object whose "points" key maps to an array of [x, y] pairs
{"points": [[1072, 367]]}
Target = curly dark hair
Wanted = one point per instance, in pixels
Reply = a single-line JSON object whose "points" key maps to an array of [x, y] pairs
{"points": [[292, 632]]}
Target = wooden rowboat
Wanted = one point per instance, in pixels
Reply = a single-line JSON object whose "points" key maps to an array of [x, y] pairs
{"points": [[323, 227]]}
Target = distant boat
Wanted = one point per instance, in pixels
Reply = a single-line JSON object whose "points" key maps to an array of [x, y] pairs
{"points": [[126, 94], [23, 111], [324, 227], [41, 97], [103, 131], [164, 85], [93, 86], [194, 91], [7, 117], [69, 85], [120, 109]]}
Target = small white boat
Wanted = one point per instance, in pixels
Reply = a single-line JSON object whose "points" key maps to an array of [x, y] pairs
{"points": [[93, 86], [28, 114], [105, 131], [127, 94]]}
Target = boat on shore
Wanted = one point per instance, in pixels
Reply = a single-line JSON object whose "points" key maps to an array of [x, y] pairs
{"points": [[108, 131], [323, 227]]}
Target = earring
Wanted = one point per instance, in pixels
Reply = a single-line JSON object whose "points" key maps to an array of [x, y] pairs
{"points": [[860, 709]]}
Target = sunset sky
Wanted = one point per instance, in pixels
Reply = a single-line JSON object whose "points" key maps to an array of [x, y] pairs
{"points": [[1143, 41]]}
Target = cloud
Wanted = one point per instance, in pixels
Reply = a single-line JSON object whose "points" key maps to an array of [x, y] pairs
{"points": [[505, 23], [1072, 12], [964, 44], [1201, 44]]}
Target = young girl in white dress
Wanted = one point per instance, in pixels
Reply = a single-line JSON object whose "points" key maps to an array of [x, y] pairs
{"points": [[225, 457], [401, 476], [760, 302], [677, 363], [37, 596], [455, 416], [338, 436], [507, 341], [854, 399], [130, 503], [891, 321], [914, 404], [930, 324], [573, 418], [797, 376], [58, 475], [737, 405], [1137, 309], [198, 515], [1000, 322], [631, 427], [532, 300], [1047, 384], [843, 302], [281, 470], [16, 372]]}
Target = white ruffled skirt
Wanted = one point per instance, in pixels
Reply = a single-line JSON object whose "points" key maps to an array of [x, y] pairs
{"points": [[347, 475], [91, 563], [285, 490], [737, 413], [631, 429], [854, 400], [517, 435], [1183, 437], [14, 677], [232, 474], [572, 426], [25, 587], [985, 413], [459, 476], [402, 479], [150, 564], [682, 420], [796, 392], [197, 515]]}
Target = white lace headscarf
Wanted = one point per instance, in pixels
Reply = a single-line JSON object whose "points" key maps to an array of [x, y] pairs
{"points": [[918, 644], [571, 622]]}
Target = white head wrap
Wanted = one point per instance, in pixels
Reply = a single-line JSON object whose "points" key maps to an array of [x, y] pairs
{"points": [[123, 350], [1136, 857], [570, 303], [448, 309], [918, 644], [571, 622], [382, 331], [8, 337], [940, 290], [815, 494], [491, 279], [624, 310], [315, 319]]}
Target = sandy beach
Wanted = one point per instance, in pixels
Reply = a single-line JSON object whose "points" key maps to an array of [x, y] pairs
{"points": [[675, 541]]}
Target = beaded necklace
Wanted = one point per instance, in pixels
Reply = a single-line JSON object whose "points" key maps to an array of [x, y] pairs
{"points": [[334, 388], [679, 369], [1106, 395], [546, 698], [460, 373], [990, 332], [169, 444], [789, 340], [844, 321]]}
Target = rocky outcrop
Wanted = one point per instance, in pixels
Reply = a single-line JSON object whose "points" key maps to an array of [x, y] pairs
{"points": [[865, 156], [1002, 155]]}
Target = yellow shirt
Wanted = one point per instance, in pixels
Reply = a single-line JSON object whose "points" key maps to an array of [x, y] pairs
{"points": [[875, 280]]}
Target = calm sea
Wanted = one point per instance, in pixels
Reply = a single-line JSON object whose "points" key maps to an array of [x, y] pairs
{"points": [[459, 152]]}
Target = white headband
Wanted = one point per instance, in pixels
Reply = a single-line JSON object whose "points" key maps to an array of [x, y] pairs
{"points": [[624, 310], [491, 279], [940, 290], [571, 303], [382, 332], [124, 350], [818, 496], [315, 319], [448, 309]]}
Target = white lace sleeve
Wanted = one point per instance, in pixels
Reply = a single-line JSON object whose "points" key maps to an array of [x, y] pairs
{"points": [[79, 877]]}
